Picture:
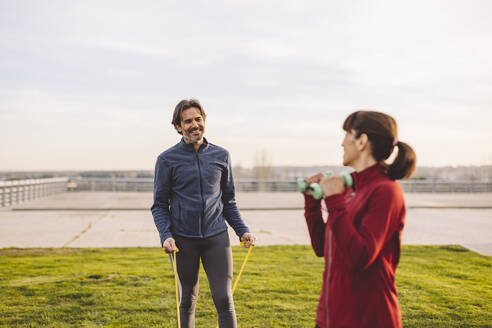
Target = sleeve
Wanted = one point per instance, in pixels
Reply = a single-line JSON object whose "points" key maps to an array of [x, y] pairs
{"points": [[231, 212], [160, 208], [362, 246], [315, 223]]}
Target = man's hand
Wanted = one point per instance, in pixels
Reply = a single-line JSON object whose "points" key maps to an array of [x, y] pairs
{"points": [[248, 239], [332, 185], [169, 245]]}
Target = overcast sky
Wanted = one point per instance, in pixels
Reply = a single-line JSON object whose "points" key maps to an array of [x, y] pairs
{"points": [[92, 84]]}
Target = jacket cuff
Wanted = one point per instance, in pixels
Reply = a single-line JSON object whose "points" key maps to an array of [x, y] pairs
{"points": [[241, 232], [334, 202]]}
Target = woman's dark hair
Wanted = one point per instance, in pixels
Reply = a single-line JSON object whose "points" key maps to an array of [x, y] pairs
{"points": [[382, 132], [184, 105]]}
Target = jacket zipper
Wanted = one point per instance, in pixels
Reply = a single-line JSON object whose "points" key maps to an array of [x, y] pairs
{"points": [[201, 193], [328, 281]]}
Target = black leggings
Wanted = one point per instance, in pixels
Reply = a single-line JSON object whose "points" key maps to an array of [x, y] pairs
{"points": [[216, 255]]}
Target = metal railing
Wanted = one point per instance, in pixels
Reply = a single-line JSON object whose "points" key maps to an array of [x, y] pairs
{"points": [[446, 186], [19, 191], [111, 184], [269, 185], [276, 185]]}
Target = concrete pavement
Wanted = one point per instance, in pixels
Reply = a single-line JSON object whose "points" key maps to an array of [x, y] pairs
{"points": [[245, 200], [124, 220]]}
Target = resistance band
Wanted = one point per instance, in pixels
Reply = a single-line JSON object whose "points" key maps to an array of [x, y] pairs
{"points": [[175, 268], [241, 270], [242, 267]]}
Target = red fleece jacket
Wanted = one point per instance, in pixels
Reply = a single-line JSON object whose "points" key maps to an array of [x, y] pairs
{"points": [[361, 245]]}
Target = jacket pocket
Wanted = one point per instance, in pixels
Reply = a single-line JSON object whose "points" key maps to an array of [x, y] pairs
{"points": [[175, 210]]}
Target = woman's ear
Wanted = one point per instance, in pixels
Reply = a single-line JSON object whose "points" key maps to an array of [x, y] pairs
{"points": [[362, 142]]}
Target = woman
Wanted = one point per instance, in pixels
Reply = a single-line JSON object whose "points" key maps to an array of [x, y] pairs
{"points": [[361, 238]]}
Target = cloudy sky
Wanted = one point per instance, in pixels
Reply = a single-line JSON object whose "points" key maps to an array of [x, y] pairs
{"points": [[92, 84]]}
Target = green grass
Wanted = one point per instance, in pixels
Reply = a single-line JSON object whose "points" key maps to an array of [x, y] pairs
{"points": [[134, 287]]}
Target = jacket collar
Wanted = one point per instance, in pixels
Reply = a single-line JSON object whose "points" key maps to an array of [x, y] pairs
{"points": [[189, 147], [367, 175]]}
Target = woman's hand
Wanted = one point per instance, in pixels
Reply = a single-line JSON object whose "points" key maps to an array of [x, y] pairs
{"points": [[332, 185], [313, 179]]}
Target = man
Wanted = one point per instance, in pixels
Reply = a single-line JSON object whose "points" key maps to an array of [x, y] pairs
{"points": [[193, 197]]}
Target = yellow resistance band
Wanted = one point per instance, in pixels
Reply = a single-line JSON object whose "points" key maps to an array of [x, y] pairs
{"points": [[175, 267], [241, 270], [242, 267]]}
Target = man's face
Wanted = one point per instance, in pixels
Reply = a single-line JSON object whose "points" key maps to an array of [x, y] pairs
{"points": [[192, 125], [350, 150]]}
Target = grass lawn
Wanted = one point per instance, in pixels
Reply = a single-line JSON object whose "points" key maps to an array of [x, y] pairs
{"points": [[134, 287]]}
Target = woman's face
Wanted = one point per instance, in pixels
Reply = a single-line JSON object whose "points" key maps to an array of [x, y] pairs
{"points": [[350, 151]]}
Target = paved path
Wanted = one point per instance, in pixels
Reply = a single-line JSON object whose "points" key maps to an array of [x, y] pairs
{"points": [[124, 220], [246, 200]]}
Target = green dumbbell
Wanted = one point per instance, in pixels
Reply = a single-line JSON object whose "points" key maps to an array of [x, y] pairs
{"points": [[302, 185], [316, 190]]}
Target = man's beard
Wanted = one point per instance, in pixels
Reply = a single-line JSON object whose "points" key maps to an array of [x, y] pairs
{"points": [[187, 136]]}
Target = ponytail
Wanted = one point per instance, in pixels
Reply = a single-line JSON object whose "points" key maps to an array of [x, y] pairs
{"points": [[404, 164]]}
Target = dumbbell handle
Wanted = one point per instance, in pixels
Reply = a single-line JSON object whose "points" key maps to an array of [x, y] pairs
{"points": [[302, 185], [316, 190]]}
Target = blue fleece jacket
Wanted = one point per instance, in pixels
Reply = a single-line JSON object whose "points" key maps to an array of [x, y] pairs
{"points": [[194, 192]]}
